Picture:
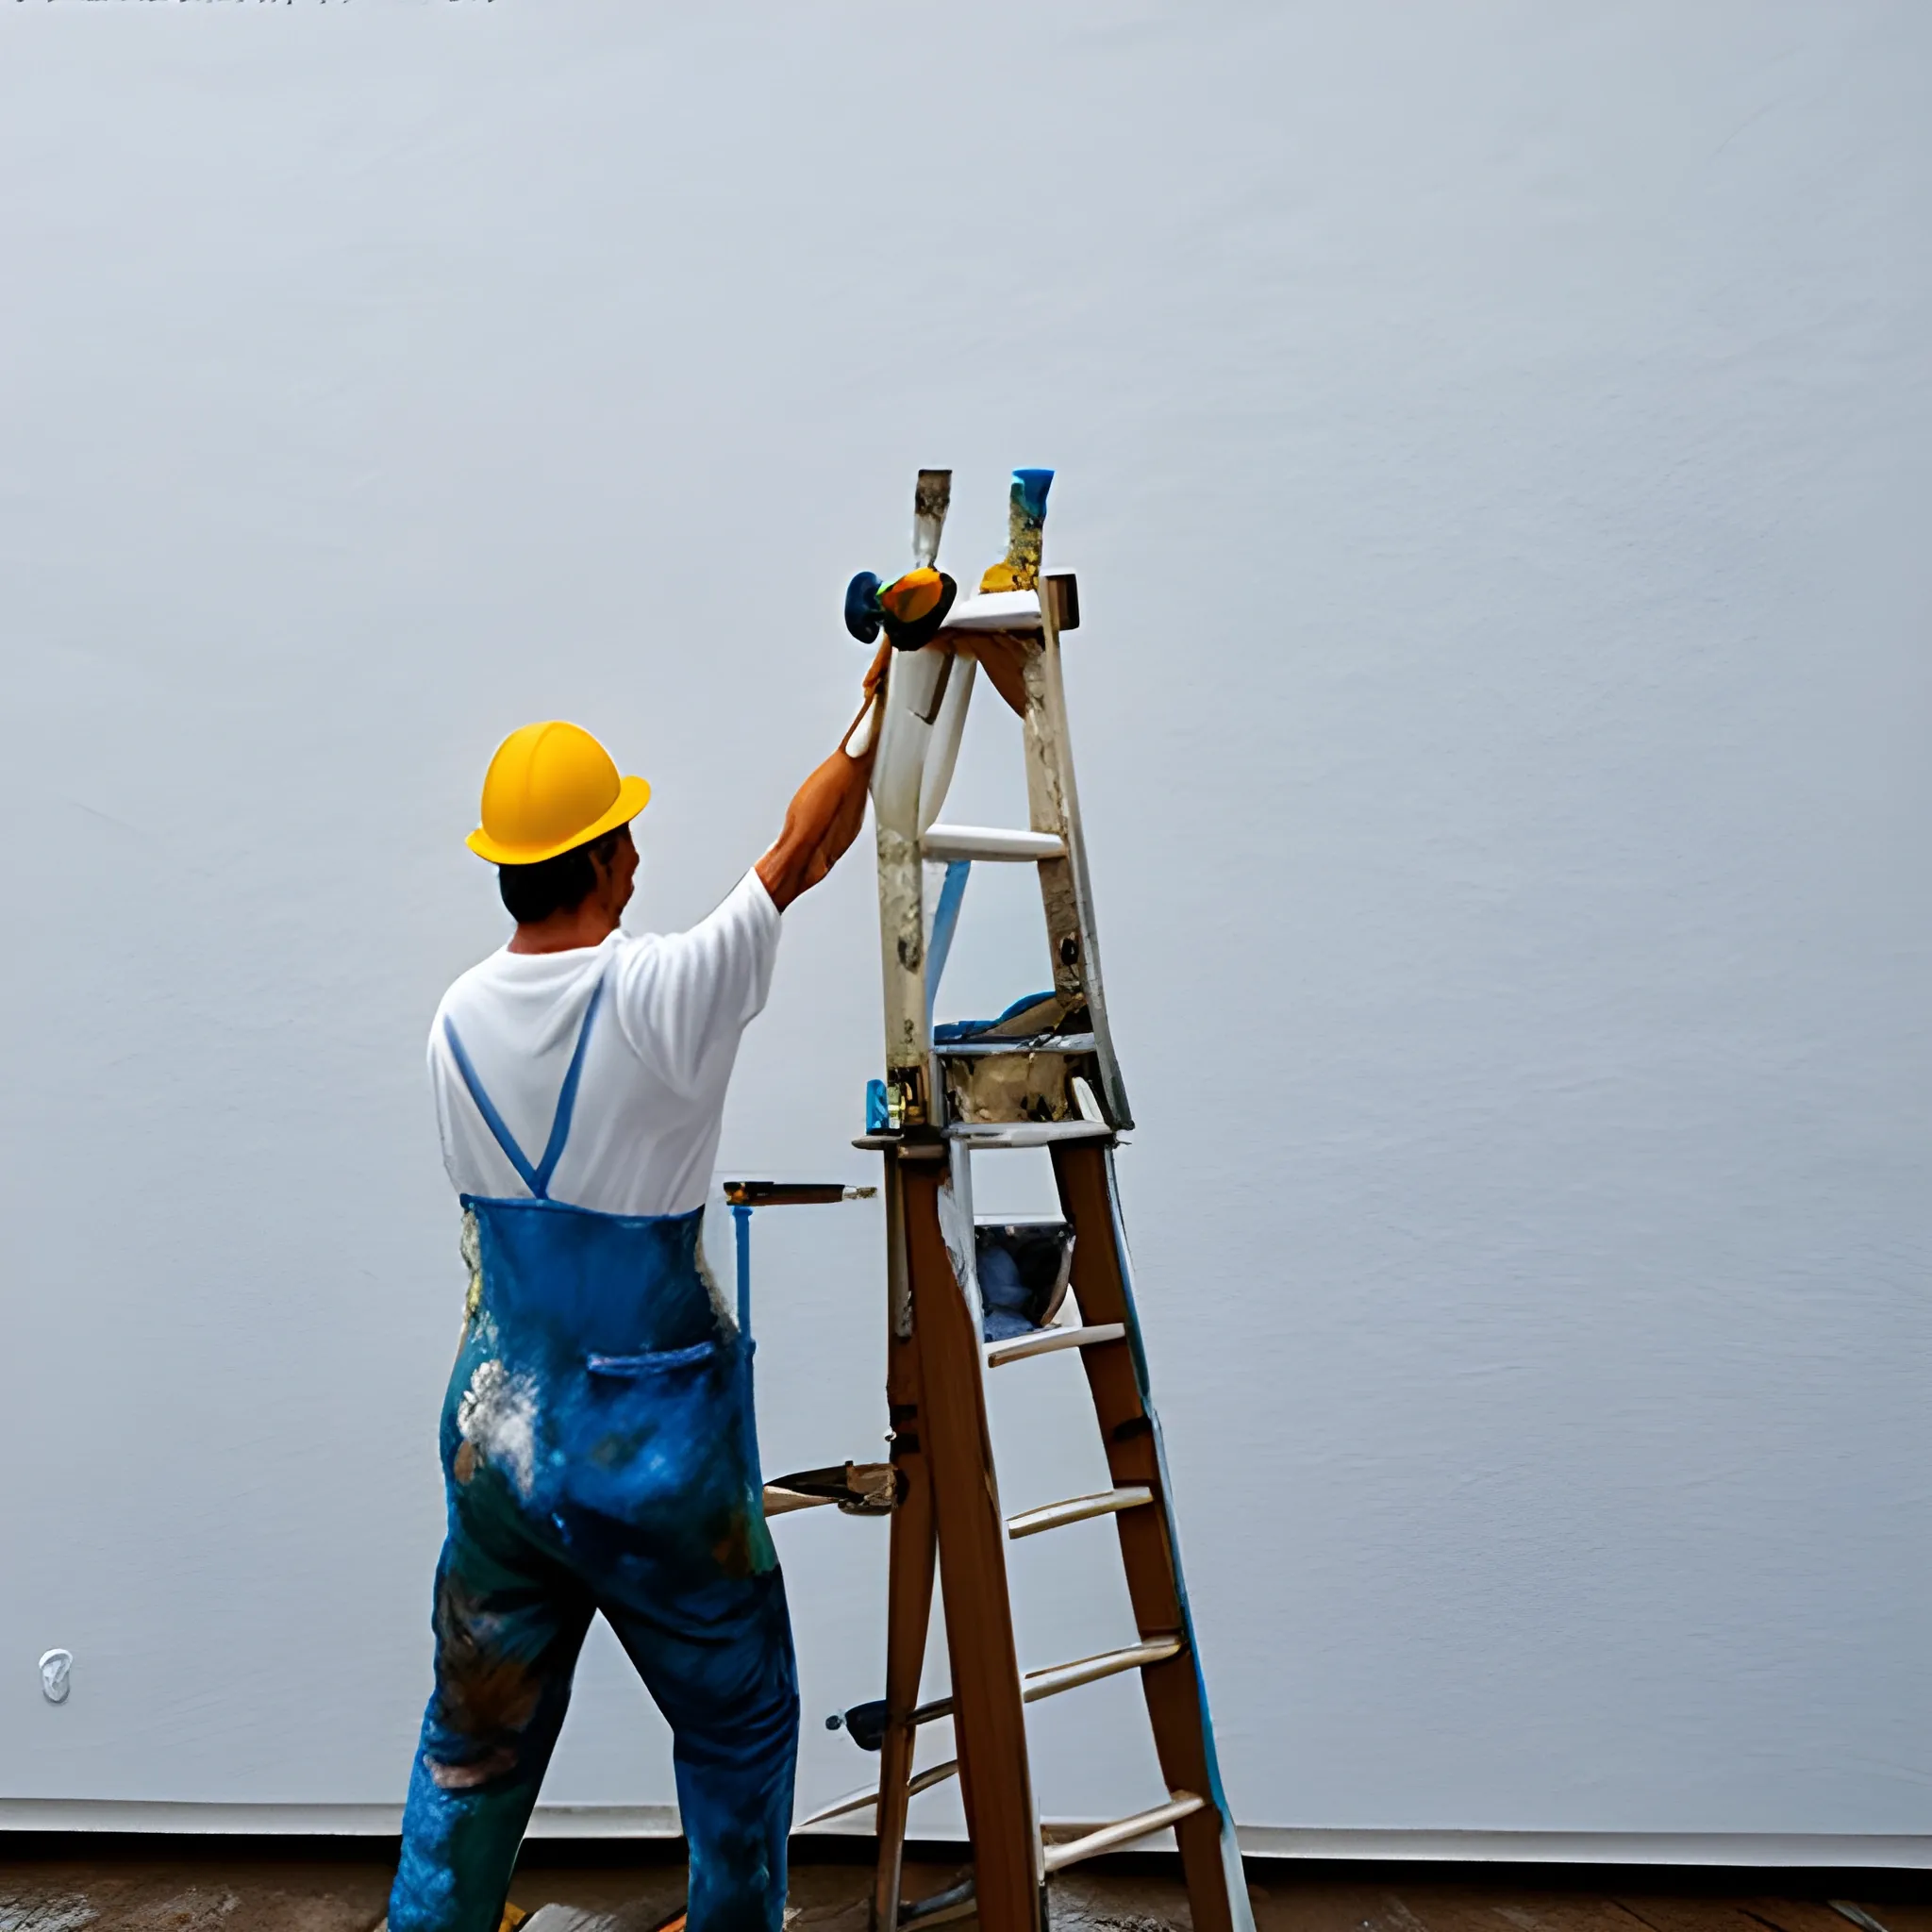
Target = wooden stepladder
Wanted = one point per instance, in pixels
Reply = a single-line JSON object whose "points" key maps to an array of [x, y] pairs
{"points": [[966, 1297]]}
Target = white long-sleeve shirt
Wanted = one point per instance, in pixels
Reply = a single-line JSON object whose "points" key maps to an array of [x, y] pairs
{"points": [[651, 1097]]}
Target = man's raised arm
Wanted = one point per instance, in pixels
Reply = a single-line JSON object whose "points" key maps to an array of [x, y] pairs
{"points": [[827, 810]]}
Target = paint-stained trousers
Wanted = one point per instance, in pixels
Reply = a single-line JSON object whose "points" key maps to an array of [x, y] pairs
{"points": [[510, 1616], [506, 1644], [579, 1482]]}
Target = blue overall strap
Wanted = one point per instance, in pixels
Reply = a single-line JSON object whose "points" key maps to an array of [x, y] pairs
{"points": [[740, 1217], [536, 1178]]}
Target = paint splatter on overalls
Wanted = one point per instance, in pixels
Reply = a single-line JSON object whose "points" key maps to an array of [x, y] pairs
{"points": [[597, 1455]]}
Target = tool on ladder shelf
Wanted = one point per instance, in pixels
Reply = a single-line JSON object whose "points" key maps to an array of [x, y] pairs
{"points": [[1041, 1075]]}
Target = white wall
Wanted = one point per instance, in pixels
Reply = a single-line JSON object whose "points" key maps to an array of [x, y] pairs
{"points": [[1496, 441]]}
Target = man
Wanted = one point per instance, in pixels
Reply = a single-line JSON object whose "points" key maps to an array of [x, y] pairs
{"points": [[596, 1446]]}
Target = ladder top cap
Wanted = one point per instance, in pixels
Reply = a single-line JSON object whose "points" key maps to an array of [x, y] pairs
{"points": [[996, 610]]}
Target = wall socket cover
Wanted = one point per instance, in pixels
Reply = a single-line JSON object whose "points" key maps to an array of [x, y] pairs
{"points": [[56, 1675]]}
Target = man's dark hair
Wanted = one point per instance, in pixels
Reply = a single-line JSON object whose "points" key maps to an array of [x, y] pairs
{"points": [[533, 893]]}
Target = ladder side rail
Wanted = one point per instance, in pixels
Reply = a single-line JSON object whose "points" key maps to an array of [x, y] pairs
{"points": [[1046, 814], [929, 693], [1053, 803], [910, 1568], [897, 777], [989, 1719], [1150, 1548], [906, 765]]}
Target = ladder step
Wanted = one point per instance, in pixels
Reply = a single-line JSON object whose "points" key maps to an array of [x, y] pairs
{"points": [[1036, 1042], [857, 1801], [865, 1722], [1027, 1133], [1076, 1510], [990, 842], [1091, 1670], [1123, 1831], [1051, 1341], [908, 1150], [1070, 1676]]}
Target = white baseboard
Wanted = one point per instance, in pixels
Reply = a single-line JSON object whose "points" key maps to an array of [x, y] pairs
{"points": [[1897, 1851], [308, 1821], [1848, 1849]]}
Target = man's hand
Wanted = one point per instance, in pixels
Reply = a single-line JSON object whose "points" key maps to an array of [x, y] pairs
{"points": [[827, 810]]}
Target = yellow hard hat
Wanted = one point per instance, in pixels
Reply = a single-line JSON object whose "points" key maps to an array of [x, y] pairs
{"points": [[551, 787]]}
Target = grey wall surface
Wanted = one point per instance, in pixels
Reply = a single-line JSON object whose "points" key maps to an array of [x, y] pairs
{"points": [[1496, 441]]}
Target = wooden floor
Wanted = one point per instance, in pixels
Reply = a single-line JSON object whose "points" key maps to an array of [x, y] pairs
{"points": [[195, 1891]]}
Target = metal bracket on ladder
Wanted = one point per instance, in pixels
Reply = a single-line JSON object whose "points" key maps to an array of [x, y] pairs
{"points": [[1042, 1075]]}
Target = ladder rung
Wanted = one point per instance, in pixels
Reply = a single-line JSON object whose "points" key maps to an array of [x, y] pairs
{"points": [[1051, 1341], [1070, 1676], [1027, 1133], [990, 843], [857, 1801], [1076, 1510], [933, 1775], [1123, 1831], [1091, 1670], [1048, 1683]]}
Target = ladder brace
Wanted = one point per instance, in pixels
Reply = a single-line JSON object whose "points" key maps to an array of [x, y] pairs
{"points": [[1123, 1831]]}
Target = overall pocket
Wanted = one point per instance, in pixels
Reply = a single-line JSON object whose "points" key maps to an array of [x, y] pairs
{"points": [[633, 1367], [659, 1437]]}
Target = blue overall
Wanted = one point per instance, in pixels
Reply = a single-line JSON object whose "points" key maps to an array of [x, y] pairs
{"points": [[596, 1457]]}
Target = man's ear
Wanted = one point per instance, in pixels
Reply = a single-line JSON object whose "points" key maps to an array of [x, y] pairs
{"points": [[603, 864]]}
